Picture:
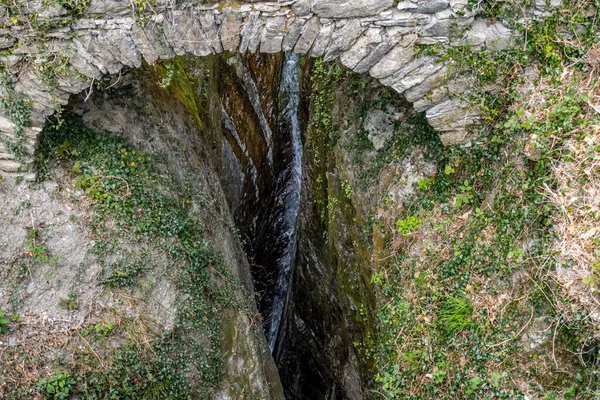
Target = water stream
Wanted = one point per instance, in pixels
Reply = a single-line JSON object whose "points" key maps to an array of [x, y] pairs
{"points": [[290, 197]]}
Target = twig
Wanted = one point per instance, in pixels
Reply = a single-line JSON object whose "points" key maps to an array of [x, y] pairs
{"points": [[91, 349], [553, 343], [90, 91]]}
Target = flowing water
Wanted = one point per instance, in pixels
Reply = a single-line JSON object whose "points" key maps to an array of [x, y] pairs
{"points": [[290, 91]]}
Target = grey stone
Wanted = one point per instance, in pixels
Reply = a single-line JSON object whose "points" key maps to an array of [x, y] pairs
{"points": [[310, 32], [184, 33], [397, 58], [251, 33], [6, 42], [406, 19], [345, 34], [303, 8], [322, 41], [230, 29], [109, 8], [477, 35], [390, 39], [432, 7], [379, 125], [349, 8], [209, 29], [429, 84], [272, 37], [418, 75], [407, 6], [452, 115], [499, 37], [294, 30], [362, 48]]}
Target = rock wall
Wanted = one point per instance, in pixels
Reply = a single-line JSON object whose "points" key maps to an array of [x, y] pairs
{"points": [[155, 122], [50, 52]]}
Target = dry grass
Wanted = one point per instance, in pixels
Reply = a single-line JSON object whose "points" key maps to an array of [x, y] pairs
{"points": [[575, 167]]}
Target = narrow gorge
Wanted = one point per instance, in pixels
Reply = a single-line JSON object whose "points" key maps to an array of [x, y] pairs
{"points": [[303, 199]]}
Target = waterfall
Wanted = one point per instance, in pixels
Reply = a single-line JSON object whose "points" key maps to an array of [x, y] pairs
{"points": [[290, 90]]}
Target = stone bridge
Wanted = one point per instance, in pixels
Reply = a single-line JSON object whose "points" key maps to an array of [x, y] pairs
{"points": [[53, 49]]}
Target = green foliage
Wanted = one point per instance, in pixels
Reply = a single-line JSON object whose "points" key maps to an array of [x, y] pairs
{"points": [[408, 225], [57, 387], [38, 253], [74, 8], [425, 184], [18, 110], [465, 195], [170, 75], [474, 383], [3, 322], [456, 314], [124, 276], [70, 303], [100, 329]]}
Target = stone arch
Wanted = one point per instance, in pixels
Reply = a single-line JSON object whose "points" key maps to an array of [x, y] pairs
{"points": [[367, 36]]}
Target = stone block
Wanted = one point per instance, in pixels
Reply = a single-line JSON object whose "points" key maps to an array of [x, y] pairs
{"points": [[349, 8]]}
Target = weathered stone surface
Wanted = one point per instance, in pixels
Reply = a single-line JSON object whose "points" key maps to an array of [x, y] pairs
{"points": [[294, 30], [499, 37], [432, 7], [272, 37], [366, 35], [310, 32], [303, 8], [406, 19], [362, 48], [436, 96], [184, 34], [110, 8], [322, 41], [392, 62], [452, 115], [391, 37], [349, 8], [380, 125], [430, 83], [251, 33], [209, 28], [415, 76], [230, 30], [345, 34]]}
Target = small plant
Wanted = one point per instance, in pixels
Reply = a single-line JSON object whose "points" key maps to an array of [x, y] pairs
{"points": [[425, 184], [456, 315], [100, 329], [170, 75], [466, 195], [3, 322], [473, 385], [56, 387], [38, 253], [124, 276], [439, 375], [70, 303], [408, 225], [347, 190]]}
